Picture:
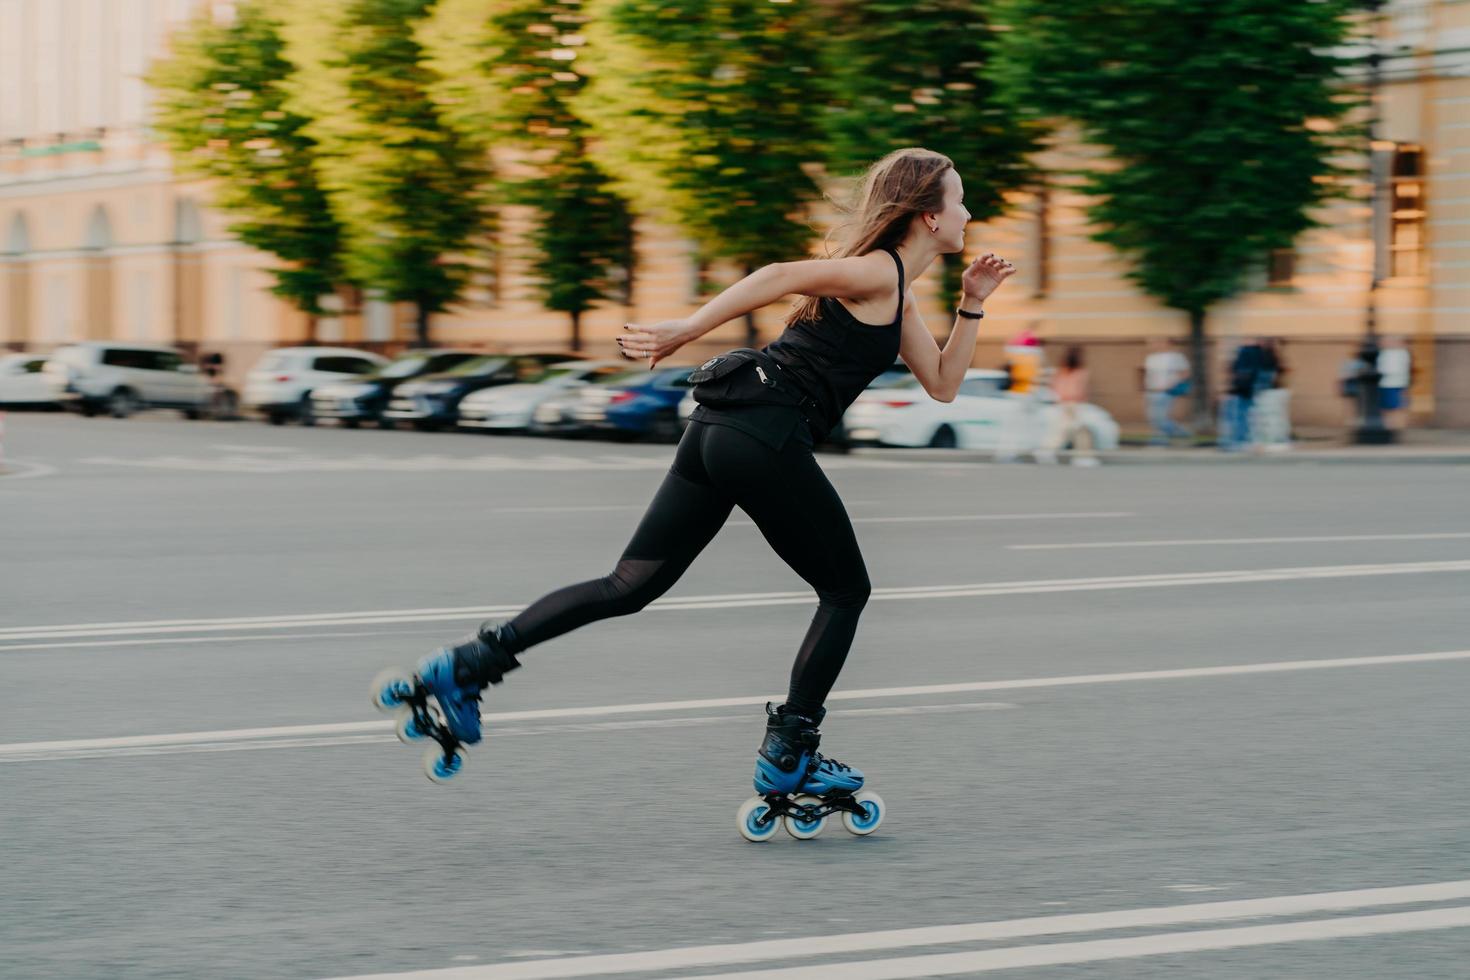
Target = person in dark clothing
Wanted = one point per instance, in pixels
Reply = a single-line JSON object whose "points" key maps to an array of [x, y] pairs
{"points": [[751, 447]]}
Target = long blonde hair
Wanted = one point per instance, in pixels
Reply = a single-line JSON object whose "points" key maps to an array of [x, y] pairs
{"points": [[904, 183]]}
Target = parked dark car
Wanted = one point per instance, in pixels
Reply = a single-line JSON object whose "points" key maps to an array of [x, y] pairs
{"points": [[643, 403], [432, 401], [365, 399]]}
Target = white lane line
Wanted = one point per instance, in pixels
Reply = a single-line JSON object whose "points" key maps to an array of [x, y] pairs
{"points": [[197, 640], [743, 600], [500, 732], [860, 942], [602, 711], [969, 517], [1095, 950], [30, 471], [1183, 542]]}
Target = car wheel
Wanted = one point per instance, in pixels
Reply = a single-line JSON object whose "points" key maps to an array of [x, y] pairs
{"points": [[88, 411], [276, 418], [225, 405], [944, 438], [350, 423], [386, 423], [122, 403], [304, 413], [192, 414], [666, 428]]}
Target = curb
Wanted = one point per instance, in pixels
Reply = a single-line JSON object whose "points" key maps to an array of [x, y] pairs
{"points": [[1196, 457]]}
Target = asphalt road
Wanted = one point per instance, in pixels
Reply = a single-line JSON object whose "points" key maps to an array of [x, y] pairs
{"points": [[1129, 722]]}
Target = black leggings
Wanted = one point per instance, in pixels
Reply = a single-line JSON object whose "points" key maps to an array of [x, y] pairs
{"points": [[788, 497]]}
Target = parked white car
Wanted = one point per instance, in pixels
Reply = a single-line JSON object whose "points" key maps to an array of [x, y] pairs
{"points": [[510, 407], [22, 382], [96, 376], [905, 415], [281, 383]]}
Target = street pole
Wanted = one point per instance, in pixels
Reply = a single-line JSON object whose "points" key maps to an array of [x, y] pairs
{"points": [[1371, 431]]}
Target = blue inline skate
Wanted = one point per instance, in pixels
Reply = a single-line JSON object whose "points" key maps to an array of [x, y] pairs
{"points": [[799, 787], [441, 699]]}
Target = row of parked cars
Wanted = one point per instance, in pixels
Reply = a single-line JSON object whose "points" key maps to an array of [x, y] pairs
{"points": [[552, 393]]}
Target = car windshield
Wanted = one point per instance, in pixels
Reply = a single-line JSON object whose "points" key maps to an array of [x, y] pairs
{"points": [[404, 367], [477, 367], [71, 355]]}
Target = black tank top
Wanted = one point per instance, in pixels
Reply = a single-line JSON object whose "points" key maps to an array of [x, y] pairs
{"points": [[836, 356]]}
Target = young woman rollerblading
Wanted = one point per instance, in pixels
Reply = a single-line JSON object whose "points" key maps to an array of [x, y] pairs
{"points": [[749, 444]]}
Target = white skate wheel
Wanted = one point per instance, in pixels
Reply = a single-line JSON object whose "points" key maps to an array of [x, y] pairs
{"points": [[407, 728], [437, 769], [872, 818], [754, 820], [805, 829], [389, 688]]}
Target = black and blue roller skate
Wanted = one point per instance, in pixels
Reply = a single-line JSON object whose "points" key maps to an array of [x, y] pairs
{"points": [[441, 699], [799, 787]]}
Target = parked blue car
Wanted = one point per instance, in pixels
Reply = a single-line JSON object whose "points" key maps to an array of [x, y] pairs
{"points": [[641, 403]]}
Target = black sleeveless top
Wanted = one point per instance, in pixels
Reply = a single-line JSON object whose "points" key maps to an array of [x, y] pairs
{"points": [[833, 358]]}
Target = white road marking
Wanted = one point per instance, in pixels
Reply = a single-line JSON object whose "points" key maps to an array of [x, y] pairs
{"points": [[736, 600], [1183, 542], [243, 739], [27, 470], [1054, 925], [1092, 951], [355, 730], [969, 517]]}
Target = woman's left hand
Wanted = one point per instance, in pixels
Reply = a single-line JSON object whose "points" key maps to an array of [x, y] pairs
{"points": [[984, 276], [654, 342]]}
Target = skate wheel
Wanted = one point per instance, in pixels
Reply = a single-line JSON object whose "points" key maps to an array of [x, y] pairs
{"points": [[391, 688], [408, 728], [755, 820], [803, 829], [871, 818], [442, 770]]}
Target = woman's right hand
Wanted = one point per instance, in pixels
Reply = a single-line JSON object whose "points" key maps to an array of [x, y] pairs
{"points": [[656, 341]]}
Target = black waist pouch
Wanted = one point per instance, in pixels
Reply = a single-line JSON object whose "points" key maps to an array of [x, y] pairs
{"points": [[745, 376]]}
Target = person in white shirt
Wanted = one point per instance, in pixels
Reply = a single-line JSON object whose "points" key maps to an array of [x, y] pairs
{"points": [[1395, 369], [1165, 380]]}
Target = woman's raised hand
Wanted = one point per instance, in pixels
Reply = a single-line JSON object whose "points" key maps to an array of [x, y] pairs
{"points": [[654, 342], [984, 276]]}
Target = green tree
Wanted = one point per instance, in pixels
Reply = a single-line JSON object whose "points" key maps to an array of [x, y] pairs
{"points": [[881, 96], [408, 189], [1222, 121], [506, 76], [703, 112], [221, 107]]}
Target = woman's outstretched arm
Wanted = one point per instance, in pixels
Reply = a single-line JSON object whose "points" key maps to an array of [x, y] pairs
{"points": [[856, 277]]}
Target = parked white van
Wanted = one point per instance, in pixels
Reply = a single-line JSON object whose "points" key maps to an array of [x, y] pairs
{"points": [[100, 376]]}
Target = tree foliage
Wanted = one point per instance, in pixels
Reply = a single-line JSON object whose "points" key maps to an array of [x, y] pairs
{"points": [[506, 74], [879, 97], [406, 187], [1221, 121], [221, 107]]}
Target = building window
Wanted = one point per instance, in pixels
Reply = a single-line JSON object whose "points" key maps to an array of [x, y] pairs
{"points": [[1281, 267], [1406, 214]]}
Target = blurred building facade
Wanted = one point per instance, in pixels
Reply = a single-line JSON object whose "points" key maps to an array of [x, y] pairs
{"points": [[100, 239]]}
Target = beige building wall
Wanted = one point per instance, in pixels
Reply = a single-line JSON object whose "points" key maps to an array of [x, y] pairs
{"points": [[98, 238]]}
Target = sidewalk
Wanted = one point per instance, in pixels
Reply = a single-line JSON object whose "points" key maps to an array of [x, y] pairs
{"points": [[1416, 446]]}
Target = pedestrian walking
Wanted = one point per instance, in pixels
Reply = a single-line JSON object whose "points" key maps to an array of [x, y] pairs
{"points": [[1070, 386], [1243, 380], [1271, 421], [749, 444], [1019, 426], [1395, 367], [1165, 381]]}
